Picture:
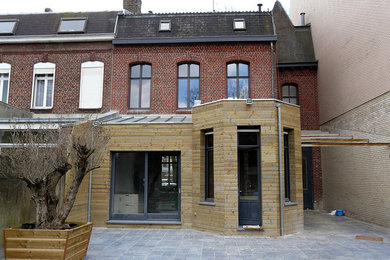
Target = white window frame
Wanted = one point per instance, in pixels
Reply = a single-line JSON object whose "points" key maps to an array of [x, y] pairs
{"points": [[5, 68], [164, 23], [237, 22], [39, 69], [83, 104]]}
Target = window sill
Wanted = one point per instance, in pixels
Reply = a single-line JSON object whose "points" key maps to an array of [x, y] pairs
{"points": [[41, 108], [290, 203], [141, 222], [241, 228], [206, 203]]}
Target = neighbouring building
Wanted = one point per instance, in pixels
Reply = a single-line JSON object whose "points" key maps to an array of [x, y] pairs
{"points": [[351, 41], [205, 113]]}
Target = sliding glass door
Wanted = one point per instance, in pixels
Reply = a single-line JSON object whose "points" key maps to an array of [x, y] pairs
{"points": [[145, 186]]}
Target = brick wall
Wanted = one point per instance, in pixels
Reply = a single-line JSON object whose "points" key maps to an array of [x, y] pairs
{"points": [[357, 178], [212, 59], [68, 58]]}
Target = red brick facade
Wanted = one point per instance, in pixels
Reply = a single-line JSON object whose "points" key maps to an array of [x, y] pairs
{"points": [[212, 59], [68, 58]]}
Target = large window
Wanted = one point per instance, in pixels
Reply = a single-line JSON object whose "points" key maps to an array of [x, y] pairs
{"points": [[5, 70], [91, 85], [209, 165], [188, 85], [43, 85], [290, 93], [145, 186], [140, 81], [238, 80]]}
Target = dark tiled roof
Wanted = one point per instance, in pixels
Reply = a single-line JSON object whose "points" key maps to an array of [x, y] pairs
{"points": [[47, 23], [190, 26], [295, 44]]}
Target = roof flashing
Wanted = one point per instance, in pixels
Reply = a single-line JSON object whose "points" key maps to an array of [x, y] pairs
{"points": [[72, 25], [8, 26]]}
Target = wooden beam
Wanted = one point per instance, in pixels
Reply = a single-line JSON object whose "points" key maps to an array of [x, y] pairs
{"points": [[342, 144], [378, 239]]}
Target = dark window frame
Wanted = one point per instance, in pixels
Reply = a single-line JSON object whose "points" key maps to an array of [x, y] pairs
{"points": [[207, 148], [237, 77], [140, 78], [287, 169], [290, 96], [188, 79]]}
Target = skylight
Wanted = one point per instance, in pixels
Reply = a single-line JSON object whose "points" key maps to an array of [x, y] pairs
{"points": [[239, 24], [165, 25], [72, 25], [7, 26]]}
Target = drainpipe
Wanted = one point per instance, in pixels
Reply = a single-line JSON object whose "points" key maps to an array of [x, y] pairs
{"points": [[273, 70], [279, 106], [90, 178]]}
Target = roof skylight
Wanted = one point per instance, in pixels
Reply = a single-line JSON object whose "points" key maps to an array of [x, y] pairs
{"points": [[72, 25], [239, 24], [165, 25], [7, 26]]}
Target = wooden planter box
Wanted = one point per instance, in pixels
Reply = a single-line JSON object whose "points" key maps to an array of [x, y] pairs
{"points": [[47, 244]]}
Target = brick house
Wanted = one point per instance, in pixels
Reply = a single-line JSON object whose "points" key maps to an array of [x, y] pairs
{"points": [[197, 105]]}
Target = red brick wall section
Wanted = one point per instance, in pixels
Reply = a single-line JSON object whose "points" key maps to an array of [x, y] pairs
{"points": [[306, 80], [212, 59], [68, 58]]}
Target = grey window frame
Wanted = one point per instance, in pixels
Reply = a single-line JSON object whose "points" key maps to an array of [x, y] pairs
{"points": [[165, 22], [140, 86], [16, 21], [188, 79], [237, 77], [237, 20], [85, 19], [289, 96]]}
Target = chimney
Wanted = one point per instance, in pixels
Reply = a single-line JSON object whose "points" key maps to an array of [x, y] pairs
{"points": [[133, 6], [303, 19], [259, 5], [48, 10]]}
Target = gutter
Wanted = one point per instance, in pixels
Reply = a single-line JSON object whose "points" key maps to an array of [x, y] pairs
{"points": [[279, 106], [155, 40], [57, 38]]}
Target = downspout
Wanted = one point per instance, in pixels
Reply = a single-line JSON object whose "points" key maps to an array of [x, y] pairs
{"points": [[90, 178], [279, 106], [273, 70]]}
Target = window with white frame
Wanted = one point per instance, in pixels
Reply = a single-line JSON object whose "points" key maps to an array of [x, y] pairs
{"points": [[43, 85], [239, 24], [5, 70], [91, 85]]}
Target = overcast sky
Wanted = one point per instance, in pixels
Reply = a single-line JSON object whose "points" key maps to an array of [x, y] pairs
{"points": [[157, 6]]}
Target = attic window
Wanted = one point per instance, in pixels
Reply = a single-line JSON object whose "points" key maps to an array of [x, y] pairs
{"points": [[165, 25], [239, 24], [7, 26], [72, 25]]}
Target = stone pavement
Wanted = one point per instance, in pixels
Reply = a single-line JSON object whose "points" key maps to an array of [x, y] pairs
{"points": [[325, 237]]}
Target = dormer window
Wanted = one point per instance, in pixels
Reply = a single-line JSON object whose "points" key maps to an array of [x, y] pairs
{"points": [[72, 25], [239, 24], [7, 26], [165, 25]]}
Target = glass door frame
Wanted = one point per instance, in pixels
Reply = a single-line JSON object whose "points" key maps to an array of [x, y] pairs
{"points": [[145, 216]]}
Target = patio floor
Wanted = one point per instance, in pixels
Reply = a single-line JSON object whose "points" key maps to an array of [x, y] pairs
{"points": [[325, 236]]}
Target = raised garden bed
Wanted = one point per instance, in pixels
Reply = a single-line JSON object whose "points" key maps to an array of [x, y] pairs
{"points": [[47, 244]]}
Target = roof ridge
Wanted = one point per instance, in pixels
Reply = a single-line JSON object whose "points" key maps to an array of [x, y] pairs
{"points": [[41, 13], [197, 13]]}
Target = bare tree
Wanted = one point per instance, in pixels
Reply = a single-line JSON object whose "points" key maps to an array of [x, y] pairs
{"points": [[42, 157]]}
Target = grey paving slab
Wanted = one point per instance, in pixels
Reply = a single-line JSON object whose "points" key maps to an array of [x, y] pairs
{"points": [[324, 237]]}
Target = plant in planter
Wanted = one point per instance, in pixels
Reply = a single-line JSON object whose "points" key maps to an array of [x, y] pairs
{"points": [[41, 158]]}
